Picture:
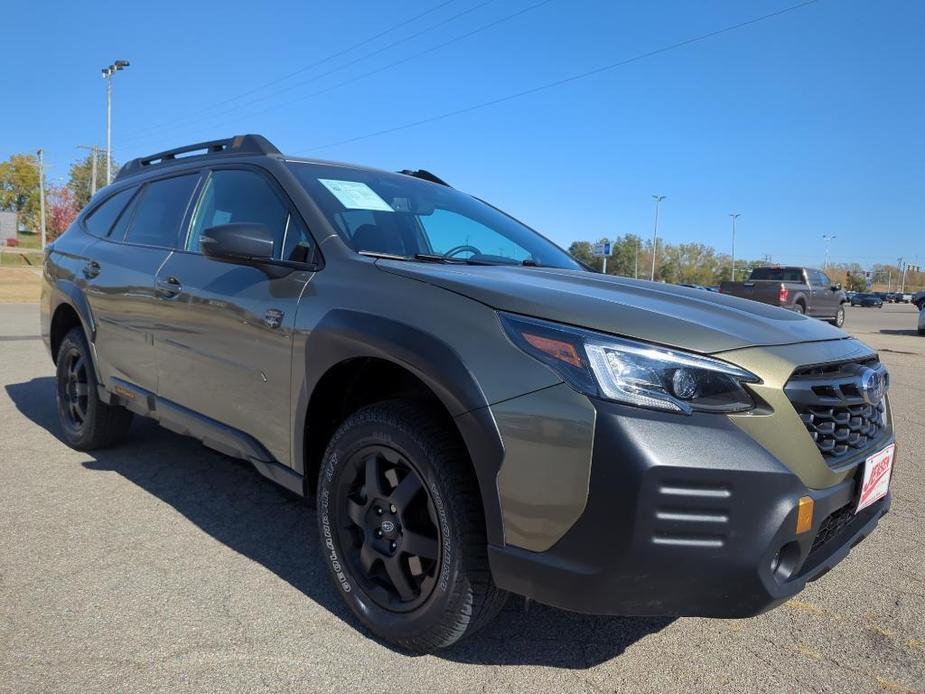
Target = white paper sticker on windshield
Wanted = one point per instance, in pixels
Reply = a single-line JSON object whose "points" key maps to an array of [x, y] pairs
{"points": [[355, 195]]}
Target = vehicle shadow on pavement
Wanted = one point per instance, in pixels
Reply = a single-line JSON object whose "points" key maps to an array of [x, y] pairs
{"points": [[234, 504], [895, 331]]}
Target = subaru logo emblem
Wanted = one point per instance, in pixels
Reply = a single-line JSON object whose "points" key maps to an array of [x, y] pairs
{"points": [[388, 526], [872, 386]]}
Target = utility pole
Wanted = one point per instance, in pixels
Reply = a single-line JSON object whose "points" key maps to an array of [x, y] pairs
{"points": [[108, 72], [658, 201], [42, 194], [735, 216], [827, 238], [93, 150], [902, 269], [636, 262]]}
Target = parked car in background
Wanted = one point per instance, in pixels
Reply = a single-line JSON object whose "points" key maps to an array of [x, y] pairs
{"points": [[906, 298], [919, 300], [922, 321], [867, 299], [804, 290]]}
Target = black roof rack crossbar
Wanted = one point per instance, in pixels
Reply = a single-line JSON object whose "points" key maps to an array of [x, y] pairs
{"points": [[425, 175], [239, 144]]}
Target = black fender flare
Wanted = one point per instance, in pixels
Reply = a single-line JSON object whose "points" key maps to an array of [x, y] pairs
{"points": [[68, 293], [343, 334], [75, 298]]}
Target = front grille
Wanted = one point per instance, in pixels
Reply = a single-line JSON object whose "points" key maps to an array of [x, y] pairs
{"points": [[834, 411]]}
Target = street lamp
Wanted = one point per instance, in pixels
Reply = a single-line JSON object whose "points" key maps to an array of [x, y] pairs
{"points": [[735, 216], [827, 238], [108, 72], [658, 200]]}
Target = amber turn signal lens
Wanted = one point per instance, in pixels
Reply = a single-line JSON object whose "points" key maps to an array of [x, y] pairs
{"points": [[804, 514], [558, 349]]}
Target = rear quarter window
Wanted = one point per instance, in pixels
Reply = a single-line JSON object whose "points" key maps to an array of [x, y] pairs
{"points": [[99, 222]]}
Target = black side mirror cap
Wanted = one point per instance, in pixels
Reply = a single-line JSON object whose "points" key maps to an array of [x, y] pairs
{"points": [[238, 241]]}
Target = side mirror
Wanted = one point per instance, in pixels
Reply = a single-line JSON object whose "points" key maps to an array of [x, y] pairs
{"points": [[239, 241]]}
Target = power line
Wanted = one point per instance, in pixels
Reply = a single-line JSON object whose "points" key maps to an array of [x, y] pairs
{"points": [[321, 61], [388, 66], [317, 77], [565, 80]]}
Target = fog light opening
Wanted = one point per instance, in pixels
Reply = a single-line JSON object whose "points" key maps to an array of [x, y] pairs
{"points": [[784, 562]]}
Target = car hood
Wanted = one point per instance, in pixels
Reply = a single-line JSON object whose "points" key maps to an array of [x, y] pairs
{"points": [[691, 319]]}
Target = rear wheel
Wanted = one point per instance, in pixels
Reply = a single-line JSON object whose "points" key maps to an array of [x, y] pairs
{"points": [[86, 421], [402, 528], [799, 308], [839, 319]]}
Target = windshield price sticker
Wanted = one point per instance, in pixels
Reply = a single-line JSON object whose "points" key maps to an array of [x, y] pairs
{"points": [[355, 195]]}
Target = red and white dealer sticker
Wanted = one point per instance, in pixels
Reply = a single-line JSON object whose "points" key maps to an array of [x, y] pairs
{"points": [[876, 482]]}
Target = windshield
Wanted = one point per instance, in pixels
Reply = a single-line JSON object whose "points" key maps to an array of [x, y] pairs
{"points": [[394, 214]]}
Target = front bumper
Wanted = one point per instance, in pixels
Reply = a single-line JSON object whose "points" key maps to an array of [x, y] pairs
{"points": [[686, 517]]}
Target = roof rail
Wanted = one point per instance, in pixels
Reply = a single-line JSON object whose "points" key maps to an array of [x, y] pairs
{"points": [[239, 144], [426, 176]]}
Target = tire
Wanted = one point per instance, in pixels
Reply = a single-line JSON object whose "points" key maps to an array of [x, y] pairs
{"points": [[799, 308], [87, 423], [365, 534], [839, 319], [922, 332]]}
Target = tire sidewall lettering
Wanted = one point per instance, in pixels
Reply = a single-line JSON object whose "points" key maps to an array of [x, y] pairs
{"points": [[327, 536]]}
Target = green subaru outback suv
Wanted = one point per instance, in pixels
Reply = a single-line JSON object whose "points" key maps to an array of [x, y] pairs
{"points": [[474, 412]]}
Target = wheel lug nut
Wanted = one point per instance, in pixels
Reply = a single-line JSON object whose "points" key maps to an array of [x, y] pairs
{"points": [[392, 508], [378, 532], [393, 546], [378, 511]]}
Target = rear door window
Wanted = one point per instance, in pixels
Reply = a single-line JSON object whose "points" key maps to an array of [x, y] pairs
{"points": [[160, 210], [100, 220]]}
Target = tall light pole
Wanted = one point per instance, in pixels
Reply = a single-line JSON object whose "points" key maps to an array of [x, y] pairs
{"points": [[658, 201], [735, 216], [42, 195], [108, 72], [827, 238]]}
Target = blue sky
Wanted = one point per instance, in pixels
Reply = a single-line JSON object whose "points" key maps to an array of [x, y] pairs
{"points": [[809, 123]]}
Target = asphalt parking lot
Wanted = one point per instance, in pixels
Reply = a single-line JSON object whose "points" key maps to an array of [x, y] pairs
{"points": [[162, 566]]}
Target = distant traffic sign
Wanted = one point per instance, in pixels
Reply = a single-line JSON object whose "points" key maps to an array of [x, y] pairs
{"points": [[601, 250]]}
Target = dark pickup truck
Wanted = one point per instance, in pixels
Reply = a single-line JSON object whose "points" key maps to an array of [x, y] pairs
{"points": [[800, 289]]}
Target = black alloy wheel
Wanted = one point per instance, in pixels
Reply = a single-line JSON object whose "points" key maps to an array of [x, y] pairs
{"points": [[87, 423], [388, 529], [402, 527], [74, 389]]}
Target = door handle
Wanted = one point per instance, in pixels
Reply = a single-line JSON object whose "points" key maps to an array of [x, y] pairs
{"points": [[168, 288], [91, 269]]}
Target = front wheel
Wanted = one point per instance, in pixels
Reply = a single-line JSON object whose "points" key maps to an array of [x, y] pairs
{"points": [[839, 319], [402, 528]]}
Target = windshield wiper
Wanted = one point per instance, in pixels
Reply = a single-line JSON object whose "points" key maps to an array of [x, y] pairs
{"points": [[387, 256]]}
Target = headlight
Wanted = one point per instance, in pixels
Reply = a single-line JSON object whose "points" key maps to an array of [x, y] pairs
{"points": [[633, 372]]}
